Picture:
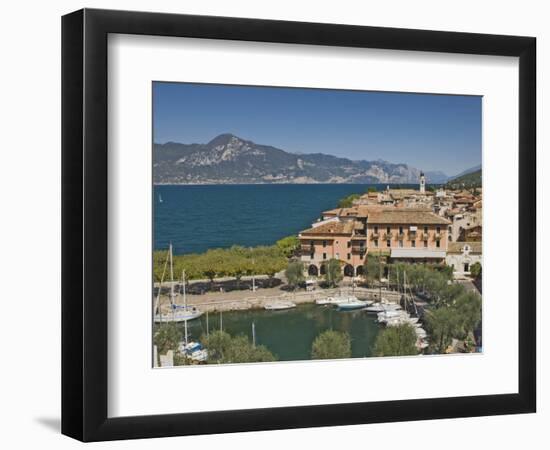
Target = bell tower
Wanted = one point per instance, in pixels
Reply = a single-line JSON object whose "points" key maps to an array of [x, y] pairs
{"points": [[422, 183]]}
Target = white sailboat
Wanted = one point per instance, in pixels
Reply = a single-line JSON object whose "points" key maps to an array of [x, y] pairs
{"points": [[351, 303], [178, 313]]}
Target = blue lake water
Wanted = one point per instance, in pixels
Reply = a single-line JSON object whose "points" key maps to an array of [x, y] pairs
{"points": [[196, 218]]}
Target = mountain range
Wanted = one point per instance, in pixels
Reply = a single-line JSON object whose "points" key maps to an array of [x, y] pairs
{"points": [[228, 159]]}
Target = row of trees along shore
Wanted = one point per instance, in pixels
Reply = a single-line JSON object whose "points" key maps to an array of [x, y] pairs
{"points": [[235, 261]]}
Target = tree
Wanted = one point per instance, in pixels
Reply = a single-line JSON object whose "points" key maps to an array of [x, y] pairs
{"points": [[442, 324], [372, 268], [333, 274], [396, 341], [331, 345], [288, 245], [225, 349], [475, 270], [372, 189], [167, 336], [270, 266], [468, 308], [294, 274], [347, 202]]}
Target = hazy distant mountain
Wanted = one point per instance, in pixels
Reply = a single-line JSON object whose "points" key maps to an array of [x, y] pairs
{"points": [[230, 159]]}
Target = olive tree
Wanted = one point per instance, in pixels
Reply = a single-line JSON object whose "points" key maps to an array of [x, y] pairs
{"points": [[396, 341], [294, 274], [224, 349], [331, 345], [333, 274]]}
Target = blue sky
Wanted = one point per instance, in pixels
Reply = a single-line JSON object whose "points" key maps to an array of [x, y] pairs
{"points": [[430, 132]]}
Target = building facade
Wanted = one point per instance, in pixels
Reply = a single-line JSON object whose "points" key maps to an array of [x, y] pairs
{"points": [[350, 234], [461, 256]]}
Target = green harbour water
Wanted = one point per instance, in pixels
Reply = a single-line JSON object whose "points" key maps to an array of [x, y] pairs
{"points": [[289, 334]]}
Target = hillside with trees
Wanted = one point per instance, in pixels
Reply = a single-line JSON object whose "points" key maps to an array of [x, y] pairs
{"points": [[469, 180]]}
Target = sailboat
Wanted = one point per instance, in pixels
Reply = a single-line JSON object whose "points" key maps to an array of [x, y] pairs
{"points": [[160, 198], [351, 303], [179, 313]]}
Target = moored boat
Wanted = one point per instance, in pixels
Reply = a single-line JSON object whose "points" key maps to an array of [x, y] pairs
{"points": [[352, 303], [277, 306], [194, 351], [178, 313], [382, 307]]}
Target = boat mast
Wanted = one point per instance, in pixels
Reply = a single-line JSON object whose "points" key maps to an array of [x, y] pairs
{"points": [[253, 278], [253, 335], [184, 301], [380, 277], [157, 302], [183, 290], [185, 326], [171, 276]]}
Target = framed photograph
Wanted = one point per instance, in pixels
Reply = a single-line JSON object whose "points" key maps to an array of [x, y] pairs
{"points": [[273, 224]]}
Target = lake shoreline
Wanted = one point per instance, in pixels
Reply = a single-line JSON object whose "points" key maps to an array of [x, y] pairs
{"points": [[237, 301]]}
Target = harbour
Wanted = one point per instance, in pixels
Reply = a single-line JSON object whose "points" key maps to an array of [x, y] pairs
{"points": [[289, 334], [341, 288]]}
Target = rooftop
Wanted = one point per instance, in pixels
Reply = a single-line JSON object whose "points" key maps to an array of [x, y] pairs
{"points": [[341, 227], [390, 214], [458, 247], [406, 216]]}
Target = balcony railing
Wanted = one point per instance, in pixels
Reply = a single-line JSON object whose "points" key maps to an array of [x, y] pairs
{"points": [[375, 235], [412, 235], [388, 236]]}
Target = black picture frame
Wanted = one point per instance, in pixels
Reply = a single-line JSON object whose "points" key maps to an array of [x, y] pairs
{"points": [[84, 224]]}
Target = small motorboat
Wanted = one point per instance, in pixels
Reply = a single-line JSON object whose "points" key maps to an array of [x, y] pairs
{"points": [[396, 321], [325, 301], [194, 351], [278, 306]]}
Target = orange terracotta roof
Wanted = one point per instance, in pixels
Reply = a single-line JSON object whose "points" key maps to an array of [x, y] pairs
{"points": [[406, 216], [343, 227], [457, 247]]}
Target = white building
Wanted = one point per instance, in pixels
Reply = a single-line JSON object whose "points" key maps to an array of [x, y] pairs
{"points": [[461, 256]]}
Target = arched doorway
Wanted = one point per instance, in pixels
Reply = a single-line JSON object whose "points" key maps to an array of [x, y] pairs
{"points": [[349, 271], [312, 271], [360, 271]]}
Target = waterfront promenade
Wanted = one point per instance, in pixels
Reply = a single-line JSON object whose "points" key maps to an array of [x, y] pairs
{"points": [[243, 300]]}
